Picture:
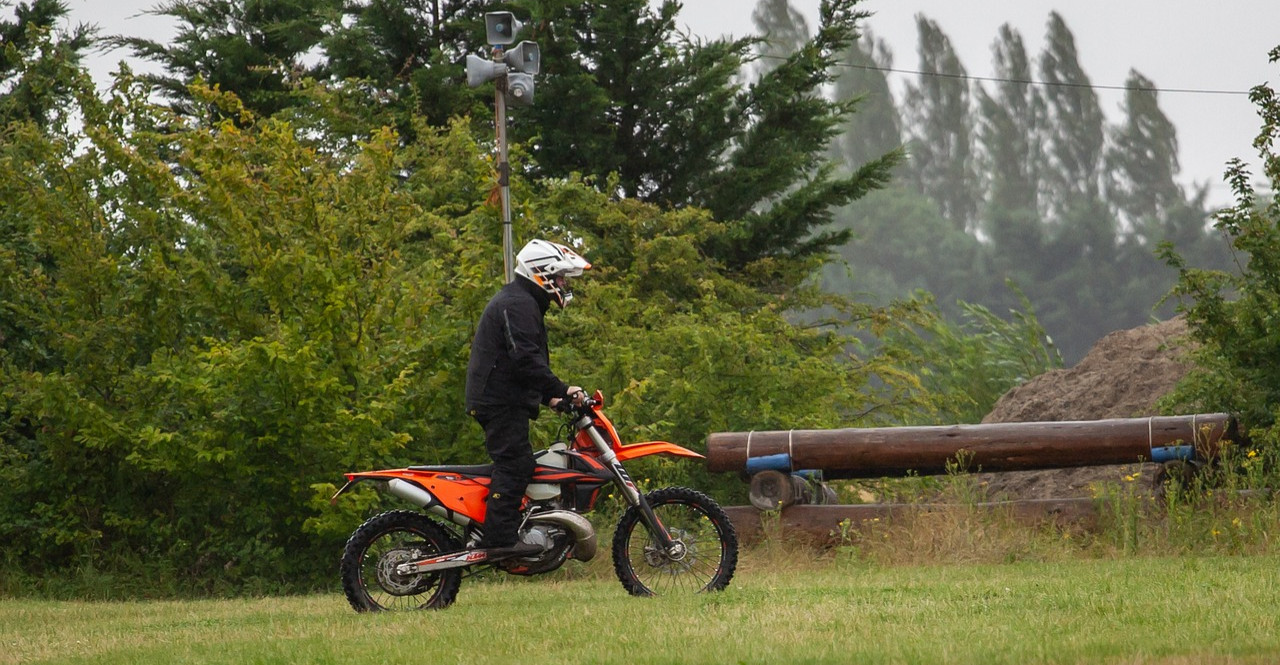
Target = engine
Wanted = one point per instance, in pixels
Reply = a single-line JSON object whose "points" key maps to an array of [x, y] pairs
{"points": [[561, 534]]}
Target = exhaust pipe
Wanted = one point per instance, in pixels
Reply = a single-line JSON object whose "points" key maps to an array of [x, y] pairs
{"points": [[585, 545], [425, 500]]}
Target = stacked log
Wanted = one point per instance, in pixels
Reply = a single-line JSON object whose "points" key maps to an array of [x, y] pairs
{"points": [[899, 451]]}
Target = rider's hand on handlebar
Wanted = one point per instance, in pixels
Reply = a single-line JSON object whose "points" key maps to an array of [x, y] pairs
{"points": [[574, 396]]}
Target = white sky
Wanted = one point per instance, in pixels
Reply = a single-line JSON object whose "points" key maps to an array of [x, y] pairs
{"points": [[1178, 44]]}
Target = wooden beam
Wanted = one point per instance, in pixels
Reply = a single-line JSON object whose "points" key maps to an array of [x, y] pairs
{"points": [[898, 451]]}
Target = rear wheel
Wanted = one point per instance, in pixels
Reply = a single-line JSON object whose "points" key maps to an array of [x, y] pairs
{"points": [[373, 552], [707, 546]]}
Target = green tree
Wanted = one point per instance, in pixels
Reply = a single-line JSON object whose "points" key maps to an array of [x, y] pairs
{"points": [[211, 323], [38, 62], [782, 31], [670, 117], [1078, 268], [1142, 158], [1237, 359], [1010, 127], [254, 48], [902, 244], [1075, 126], [875, 127], [941, 129], [411, 51]]}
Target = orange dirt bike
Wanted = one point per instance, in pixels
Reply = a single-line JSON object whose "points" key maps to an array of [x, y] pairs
{"points": [[670, 540]]}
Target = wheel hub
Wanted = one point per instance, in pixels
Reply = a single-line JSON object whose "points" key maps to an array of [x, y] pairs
{"points": [[394, 582]]}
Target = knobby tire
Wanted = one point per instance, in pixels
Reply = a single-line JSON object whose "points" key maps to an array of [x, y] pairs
{"points": [[368, 578], [695, 519]]}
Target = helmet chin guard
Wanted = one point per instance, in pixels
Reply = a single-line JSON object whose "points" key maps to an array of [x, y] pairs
{"points": [[549, 265]]}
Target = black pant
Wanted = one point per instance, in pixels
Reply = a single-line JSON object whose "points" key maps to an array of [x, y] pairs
{"points": [[506, 437]]}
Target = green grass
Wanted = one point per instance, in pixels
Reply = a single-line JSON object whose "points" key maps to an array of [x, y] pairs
{"points": [[1218, 609]]}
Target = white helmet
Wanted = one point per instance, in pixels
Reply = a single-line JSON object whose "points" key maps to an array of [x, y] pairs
{"points": [[547, 264]]}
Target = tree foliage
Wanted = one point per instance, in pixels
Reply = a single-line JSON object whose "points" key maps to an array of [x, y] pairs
{"points": [[1232, 316], [210, 312], [1043, 190], [621, 92], [941, 144], [38, 62], [207, 320], [253, 48]]}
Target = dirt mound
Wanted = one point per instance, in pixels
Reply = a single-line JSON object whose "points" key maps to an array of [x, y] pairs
{"points": [[1122, 376]]}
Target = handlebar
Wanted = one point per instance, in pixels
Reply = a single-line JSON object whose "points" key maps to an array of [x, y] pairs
{"points": [[566, 405]]}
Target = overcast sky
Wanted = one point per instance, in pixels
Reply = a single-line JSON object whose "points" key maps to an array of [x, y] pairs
{"points": [[1178, 44]]}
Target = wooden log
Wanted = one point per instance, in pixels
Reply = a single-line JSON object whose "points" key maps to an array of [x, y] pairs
{"points": [[898, 451], [824, 524], [773, 490]]}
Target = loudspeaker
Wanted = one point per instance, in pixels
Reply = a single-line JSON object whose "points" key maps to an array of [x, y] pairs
{"points": [[519, 89], [524, 57], [501, 28], [480, 70]]}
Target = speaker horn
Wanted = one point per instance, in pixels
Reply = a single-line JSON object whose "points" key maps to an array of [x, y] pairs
{"points": [[480, 70], [501, 28], [524, 57]]}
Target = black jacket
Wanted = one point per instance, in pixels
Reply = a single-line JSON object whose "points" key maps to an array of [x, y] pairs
{"points": [[510, 365]]}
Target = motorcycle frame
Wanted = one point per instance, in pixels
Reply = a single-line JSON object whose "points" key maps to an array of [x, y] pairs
{"points": [[457, 493]]}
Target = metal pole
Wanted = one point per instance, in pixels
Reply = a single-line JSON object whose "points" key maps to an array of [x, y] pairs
{"points": [[504, 171]]}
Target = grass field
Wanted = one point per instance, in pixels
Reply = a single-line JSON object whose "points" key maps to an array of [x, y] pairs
{"points": [[1220, 609]]}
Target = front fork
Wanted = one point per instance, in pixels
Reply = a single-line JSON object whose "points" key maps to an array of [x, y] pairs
{"points": [[673, 548]]}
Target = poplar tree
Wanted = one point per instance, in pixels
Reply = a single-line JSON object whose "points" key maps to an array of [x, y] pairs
{"points": [[1142, 158], [941, 135], [875, 127], [782, 31], [1075, 136], [1010, 128]]}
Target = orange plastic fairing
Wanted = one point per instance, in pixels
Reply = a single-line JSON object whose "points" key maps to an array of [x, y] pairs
{"points": [[459, 493]]}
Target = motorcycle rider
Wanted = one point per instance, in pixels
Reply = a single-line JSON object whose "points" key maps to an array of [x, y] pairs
{"points": [[509, 375]]}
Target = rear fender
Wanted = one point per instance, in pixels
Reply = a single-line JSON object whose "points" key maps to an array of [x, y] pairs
{"points": [[635, 450], [456, 496]]}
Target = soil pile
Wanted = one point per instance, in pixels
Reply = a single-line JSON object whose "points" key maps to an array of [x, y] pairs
{"points": [[1122, 376]]}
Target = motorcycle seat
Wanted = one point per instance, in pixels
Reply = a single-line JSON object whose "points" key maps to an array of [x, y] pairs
{"points": [[463, 469]]}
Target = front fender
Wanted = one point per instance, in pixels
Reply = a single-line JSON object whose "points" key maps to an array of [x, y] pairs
{"points": [[634, 450]]}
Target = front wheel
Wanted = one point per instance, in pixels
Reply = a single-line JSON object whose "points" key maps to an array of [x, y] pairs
{"points": [[373, 552], [706, 542]]}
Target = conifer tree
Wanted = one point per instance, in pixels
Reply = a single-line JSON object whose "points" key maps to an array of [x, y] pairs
{"points": [[253, 48], [37, 61]]}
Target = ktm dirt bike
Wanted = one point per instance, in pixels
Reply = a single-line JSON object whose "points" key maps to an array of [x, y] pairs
{"points": [[673, 539]]}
